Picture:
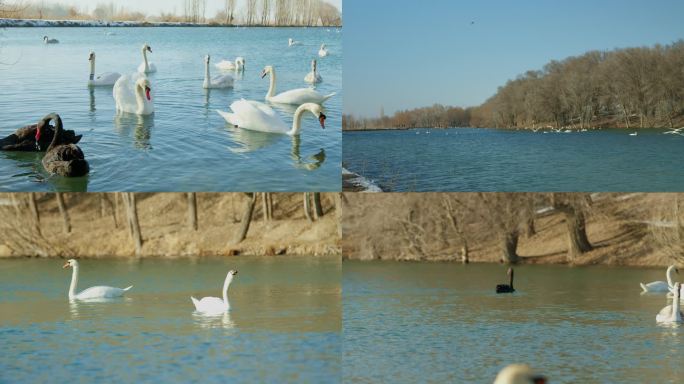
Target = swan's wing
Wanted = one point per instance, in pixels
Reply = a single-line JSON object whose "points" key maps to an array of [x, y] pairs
{"points": [[257, 116], [124, 92], [655, 286], [222, 81], [100, 292], [108, 78], [209, 304], [264, 108], [299, 96]]}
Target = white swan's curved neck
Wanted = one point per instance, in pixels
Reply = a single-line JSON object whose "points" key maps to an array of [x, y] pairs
{"points": [[226, 284], [92, 69], [297, 120], [147, 65], [74, 282], [207, 74], [272, 85], [670, 270], [140, 98]]}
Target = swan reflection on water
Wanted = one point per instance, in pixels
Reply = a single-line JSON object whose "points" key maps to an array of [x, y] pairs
{"points": [[250, 141], [207, 321], [82, 309], [140, 125]]}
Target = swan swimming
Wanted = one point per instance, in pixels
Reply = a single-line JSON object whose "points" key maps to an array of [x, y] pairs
{"points": [[292, 42], [323, 52], [313, 77], [214, 305], [295, 96], [672, 313], [225, 65], [97, 292], [256, 116], [506, 288], [217, 82], [519, 374], [132, 94], [661, 286], [105, 79], [47, 40], [146, 66]]}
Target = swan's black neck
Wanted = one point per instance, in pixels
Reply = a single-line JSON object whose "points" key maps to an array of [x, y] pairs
{"points": [[56, 139], [511, 278]]}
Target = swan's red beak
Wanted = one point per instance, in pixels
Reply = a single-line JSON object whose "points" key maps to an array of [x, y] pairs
{"points": [[321, 119], [539, 380], [39, 131], [66, 266], [147, 93]]}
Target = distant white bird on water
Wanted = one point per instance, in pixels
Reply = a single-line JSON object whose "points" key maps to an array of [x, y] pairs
{"points": [[146, 66], [292, 42], [226, 65], [216, 82], [104, 79], [47, 40], [313, 77], [633, 134], [323, 52]]}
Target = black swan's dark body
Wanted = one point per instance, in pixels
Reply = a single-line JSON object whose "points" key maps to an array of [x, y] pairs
{"points": [[506, 288], [61, 158], [24, 139]]}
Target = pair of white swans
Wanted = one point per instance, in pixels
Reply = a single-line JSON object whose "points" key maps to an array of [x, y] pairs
{"points": [[672, 313], [133, 92], [661, 286], [256, 116], [207, 305]]}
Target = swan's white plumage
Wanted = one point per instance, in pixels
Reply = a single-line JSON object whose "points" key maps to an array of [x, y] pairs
{"points": [[216, 82], [104, 79], [295, 96], [146, 66], [672, 313], [661, 286], [226, 65], [323, 52], [97, 292], [214, 305], [256, 116], [313, 77], [129, 98]]}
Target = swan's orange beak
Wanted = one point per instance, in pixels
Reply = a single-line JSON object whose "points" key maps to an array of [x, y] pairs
{"points": [[66, 266], [147, 93], [321, 119]]}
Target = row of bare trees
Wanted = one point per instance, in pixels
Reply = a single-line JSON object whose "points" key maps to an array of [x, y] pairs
{"points": [[30, 239], [251, 12], [438, 116], [632, 87]]}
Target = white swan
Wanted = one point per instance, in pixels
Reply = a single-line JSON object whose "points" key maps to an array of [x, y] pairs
{"points": [[104, 79], [146, 66], [97, 292], [313, 77], [323, 52], [220, 81], [257, 116], [292, 42], [661, 286], [295, 96], [519, 374], [225, 65], [47, 40], [132, 94], [214, 305], [633, 134], [672, 313]]}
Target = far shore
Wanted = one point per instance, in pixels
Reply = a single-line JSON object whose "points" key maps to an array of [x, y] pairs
{"points": [[41, 23]]}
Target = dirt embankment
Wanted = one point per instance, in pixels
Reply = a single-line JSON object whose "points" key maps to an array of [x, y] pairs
{"points": [[164, 224], [620, 227]]}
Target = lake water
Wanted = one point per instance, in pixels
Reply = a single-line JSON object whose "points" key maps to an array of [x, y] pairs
{"points": [[412, 322], [185, 145], [465, 159], [284, 324]]}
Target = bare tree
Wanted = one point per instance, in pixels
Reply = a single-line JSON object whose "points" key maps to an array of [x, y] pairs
{"points": [[246, 217], [573, 206], [66, 222], [133, 223], [668, 230], [192, 210]]}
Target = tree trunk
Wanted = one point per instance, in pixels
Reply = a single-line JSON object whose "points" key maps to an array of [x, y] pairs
{"points": [[307, 203], [578, 241], [192, 210], [34, 211], [318, 208], [266, 206], [133, 223], [509, 248], [465, 254], [338, 213], [246, 217], [66, 223], [530, 229]]}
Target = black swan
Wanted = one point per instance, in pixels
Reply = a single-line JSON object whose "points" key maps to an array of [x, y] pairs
{"points": [[24, 139], [62, 158], [506, 288]]}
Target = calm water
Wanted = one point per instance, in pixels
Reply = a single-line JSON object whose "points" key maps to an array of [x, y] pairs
{"points": [[515, 161], [284, 323], [186, 145], [410, 322]]}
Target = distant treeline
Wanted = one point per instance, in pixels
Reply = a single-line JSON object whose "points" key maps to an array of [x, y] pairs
{"points": [[235, 12], [632, 87]]}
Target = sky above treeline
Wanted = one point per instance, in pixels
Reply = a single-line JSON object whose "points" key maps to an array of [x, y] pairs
{"points": [[155, 7], [403, 54]]}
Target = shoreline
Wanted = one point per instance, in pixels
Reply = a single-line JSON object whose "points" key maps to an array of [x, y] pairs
{"points": [[535, 130], [43, 23], [354, 182]]}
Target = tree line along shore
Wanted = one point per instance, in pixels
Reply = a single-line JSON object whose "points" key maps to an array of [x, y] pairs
{"points": [[168, 224], [636, 229], [252, 13], [639, 87]]}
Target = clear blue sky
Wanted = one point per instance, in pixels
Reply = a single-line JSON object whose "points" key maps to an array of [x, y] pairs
{"points": [[404, 54], [154, 7]]}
